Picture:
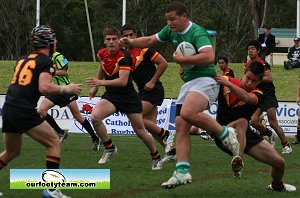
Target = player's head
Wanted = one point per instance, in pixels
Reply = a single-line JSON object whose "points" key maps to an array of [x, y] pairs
{"points": [[111, 36], [223, 62], [177, 16], [42, 37], [254, 74], [128, 31], [253, 49]]}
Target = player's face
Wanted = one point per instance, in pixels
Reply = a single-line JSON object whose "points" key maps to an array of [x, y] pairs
{"points": [[222, 64], [252, 52], [111, 42], [250, 81], [176, 22], [129, 33]]}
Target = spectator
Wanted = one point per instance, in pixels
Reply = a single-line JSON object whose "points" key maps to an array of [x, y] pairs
{"points": [[293, 56], [223, 64], [267, 41]]}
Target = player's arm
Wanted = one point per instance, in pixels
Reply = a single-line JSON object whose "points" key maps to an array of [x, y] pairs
{"points": [[162, 64], [267, 76], [61, 72], [240, 93], [205, 57], [141, 42], [46, 87], [94, 89], [118, 82]]}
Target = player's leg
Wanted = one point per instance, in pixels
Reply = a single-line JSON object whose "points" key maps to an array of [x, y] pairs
{"points": [[47, 104], [297, 136], [103, 109], [193, 112], [241, 126], [136, 120], [264, 152], [271, 113], [46, 136], [85, 123], [12, 145], [149, 117]]}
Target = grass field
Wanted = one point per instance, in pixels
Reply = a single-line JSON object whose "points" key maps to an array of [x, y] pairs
{"points": [[131, 174], [286, 81]]}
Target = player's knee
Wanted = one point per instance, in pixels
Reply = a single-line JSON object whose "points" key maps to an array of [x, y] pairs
{"points": [[280, 163], [42, 113]]}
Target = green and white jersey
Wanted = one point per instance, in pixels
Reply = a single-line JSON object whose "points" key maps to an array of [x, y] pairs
{"points": [[60, 62], [199, 38]]}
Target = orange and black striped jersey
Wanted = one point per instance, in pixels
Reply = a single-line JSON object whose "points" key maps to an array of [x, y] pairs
{"points": [[228, 72], [230, 108], [112, 64], [23, 92], [143, 66]]}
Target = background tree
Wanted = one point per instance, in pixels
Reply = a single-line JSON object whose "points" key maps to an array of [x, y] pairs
{"points": [[235, 22]]}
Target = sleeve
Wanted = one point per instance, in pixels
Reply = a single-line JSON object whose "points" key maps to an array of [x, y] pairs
{"points": [[60, 60], [151, 54], [201, 38], [164, 34], [125, 63]]}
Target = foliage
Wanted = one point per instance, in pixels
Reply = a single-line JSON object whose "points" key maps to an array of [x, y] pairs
{"points": [[233, 21]]}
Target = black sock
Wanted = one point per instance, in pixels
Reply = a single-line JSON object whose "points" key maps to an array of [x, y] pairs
{"points": [[109, 144], [278, 187], [155, 155], [53, 124], [89, 129], [52, 162], [268, 132], [298, 134], [163, 133]]}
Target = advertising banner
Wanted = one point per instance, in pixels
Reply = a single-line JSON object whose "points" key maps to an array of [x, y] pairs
{"points": [[287, 115]]}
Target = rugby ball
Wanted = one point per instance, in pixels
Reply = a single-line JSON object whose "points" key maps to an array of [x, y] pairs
{"points": [[186, 49]]}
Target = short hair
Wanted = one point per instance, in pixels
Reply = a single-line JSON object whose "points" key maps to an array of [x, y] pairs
{"points": [[255, 43], [127, 26], [111, 30], [257, 68], [223, 58], [178, 7], [268, 27]]}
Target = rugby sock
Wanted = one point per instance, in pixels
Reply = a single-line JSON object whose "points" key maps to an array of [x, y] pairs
{"points": [[89, 129], [108, 144], [163, 133], [53, 124], [277, 187], [224, 133], [298, 132], [52, 162], [155, 155], [268, 132], [2, 164], [182, 167], [286, 143]]}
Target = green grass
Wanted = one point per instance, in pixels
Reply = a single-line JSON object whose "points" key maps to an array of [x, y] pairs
{"points": [[131, 174], [286, 81]]}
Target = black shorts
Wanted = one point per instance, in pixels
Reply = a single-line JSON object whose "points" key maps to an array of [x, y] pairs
{"points": [[62, 100], [128, 104], [252, 139], [155, 96], [18, 120], [268, 101]]}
